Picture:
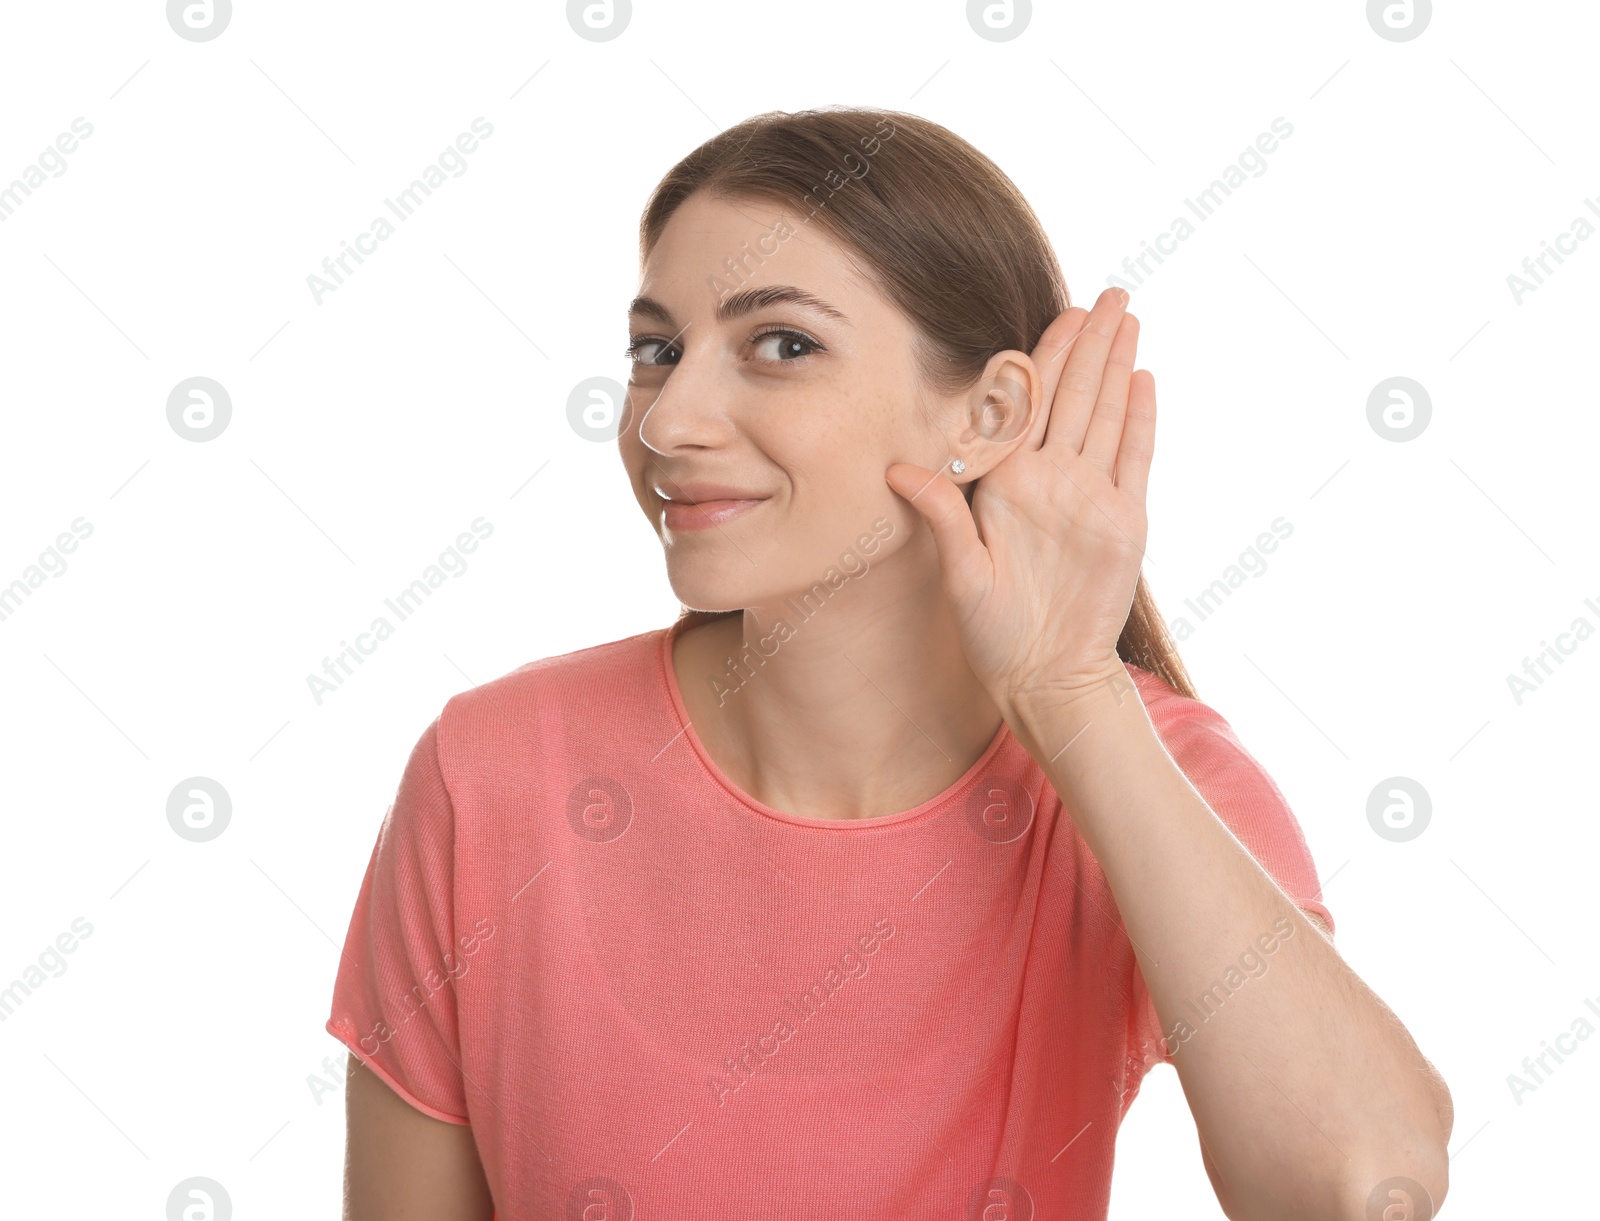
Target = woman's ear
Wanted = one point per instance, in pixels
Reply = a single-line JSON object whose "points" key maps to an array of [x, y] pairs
{"points": [[999, 411]]}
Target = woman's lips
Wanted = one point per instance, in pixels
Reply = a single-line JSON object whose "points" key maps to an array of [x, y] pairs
{"points": [[676, 515]]}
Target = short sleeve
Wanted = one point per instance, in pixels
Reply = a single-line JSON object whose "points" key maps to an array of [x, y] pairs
{"points": [[1242, 794], [394, 999]]}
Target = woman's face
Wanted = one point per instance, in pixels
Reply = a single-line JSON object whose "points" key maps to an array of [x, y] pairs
{"points": [[759, 429]]}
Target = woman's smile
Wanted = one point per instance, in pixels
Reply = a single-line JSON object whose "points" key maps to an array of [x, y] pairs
{"points": [[699, 506]]}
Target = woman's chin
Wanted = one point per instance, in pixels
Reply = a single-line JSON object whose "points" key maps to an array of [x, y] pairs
{"points": [[709, 597], [722, 583]]}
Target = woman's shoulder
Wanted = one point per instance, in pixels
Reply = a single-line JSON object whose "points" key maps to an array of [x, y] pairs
{"points": [[1192, 729], [593, 689], [579, 665], [1161, 698]]}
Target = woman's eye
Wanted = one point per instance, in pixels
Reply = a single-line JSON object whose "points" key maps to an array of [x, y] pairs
{"points": [[646, 351], [785, 346]]}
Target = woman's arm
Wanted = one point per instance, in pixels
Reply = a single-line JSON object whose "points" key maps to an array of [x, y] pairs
{"points": [[402, 1165], [1306, 1089]]}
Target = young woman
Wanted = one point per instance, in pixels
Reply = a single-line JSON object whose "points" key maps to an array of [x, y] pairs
{"points": [[873, 886]]}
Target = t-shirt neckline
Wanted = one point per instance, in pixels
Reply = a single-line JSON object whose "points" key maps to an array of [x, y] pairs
{"points": [[708, 766]]}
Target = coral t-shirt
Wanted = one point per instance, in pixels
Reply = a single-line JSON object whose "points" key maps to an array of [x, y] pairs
{"points": [[652, 996]]}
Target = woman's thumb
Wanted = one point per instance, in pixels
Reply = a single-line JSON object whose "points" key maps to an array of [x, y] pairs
{"points": [[962, 555]]}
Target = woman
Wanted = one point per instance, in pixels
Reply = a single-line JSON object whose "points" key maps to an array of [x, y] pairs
{"points": [[873, 886]]}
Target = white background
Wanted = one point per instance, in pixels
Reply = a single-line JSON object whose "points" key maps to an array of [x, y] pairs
{"points": [[372, 428]]}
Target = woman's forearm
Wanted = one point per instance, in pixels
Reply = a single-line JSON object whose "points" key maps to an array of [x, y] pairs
{"points": [[1306, 1090]]}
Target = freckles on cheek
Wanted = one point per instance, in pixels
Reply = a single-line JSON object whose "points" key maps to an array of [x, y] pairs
{"points": [[869, 424]]}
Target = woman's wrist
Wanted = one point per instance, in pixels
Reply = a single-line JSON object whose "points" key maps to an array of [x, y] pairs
{"points": [[1052, 703], [1098, 746]]}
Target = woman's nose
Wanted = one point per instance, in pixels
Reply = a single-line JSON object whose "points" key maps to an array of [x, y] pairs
{"points": [[688, 410]]}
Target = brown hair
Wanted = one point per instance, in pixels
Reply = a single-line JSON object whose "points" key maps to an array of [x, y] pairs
{"points": [[950, 241]]}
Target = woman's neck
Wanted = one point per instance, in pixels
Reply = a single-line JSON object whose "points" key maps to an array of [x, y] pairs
{"points": [[865, 708]]}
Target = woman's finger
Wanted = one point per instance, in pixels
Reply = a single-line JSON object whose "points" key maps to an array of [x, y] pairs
{"points": [[1138, 436], [1050, 355], [963, 559], [1100, 443], [1079, 387]]}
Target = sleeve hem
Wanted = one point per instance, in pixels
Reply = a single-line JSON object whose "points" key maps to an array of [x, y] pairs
{"points": [[383, 1074], [1319, 908]]}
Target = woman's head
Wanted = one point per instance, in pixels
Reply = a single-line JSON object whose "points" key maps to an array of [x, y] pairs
{"points": [[823, 294]]}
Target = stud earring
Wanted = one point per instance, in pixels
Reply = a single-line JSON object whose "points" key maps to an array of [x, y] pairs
{"points": [[957, 467]]}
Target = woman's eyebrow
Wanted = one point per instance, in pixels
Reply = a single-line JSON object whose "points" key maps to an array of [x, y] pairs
{"points": [[740, 303]]}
